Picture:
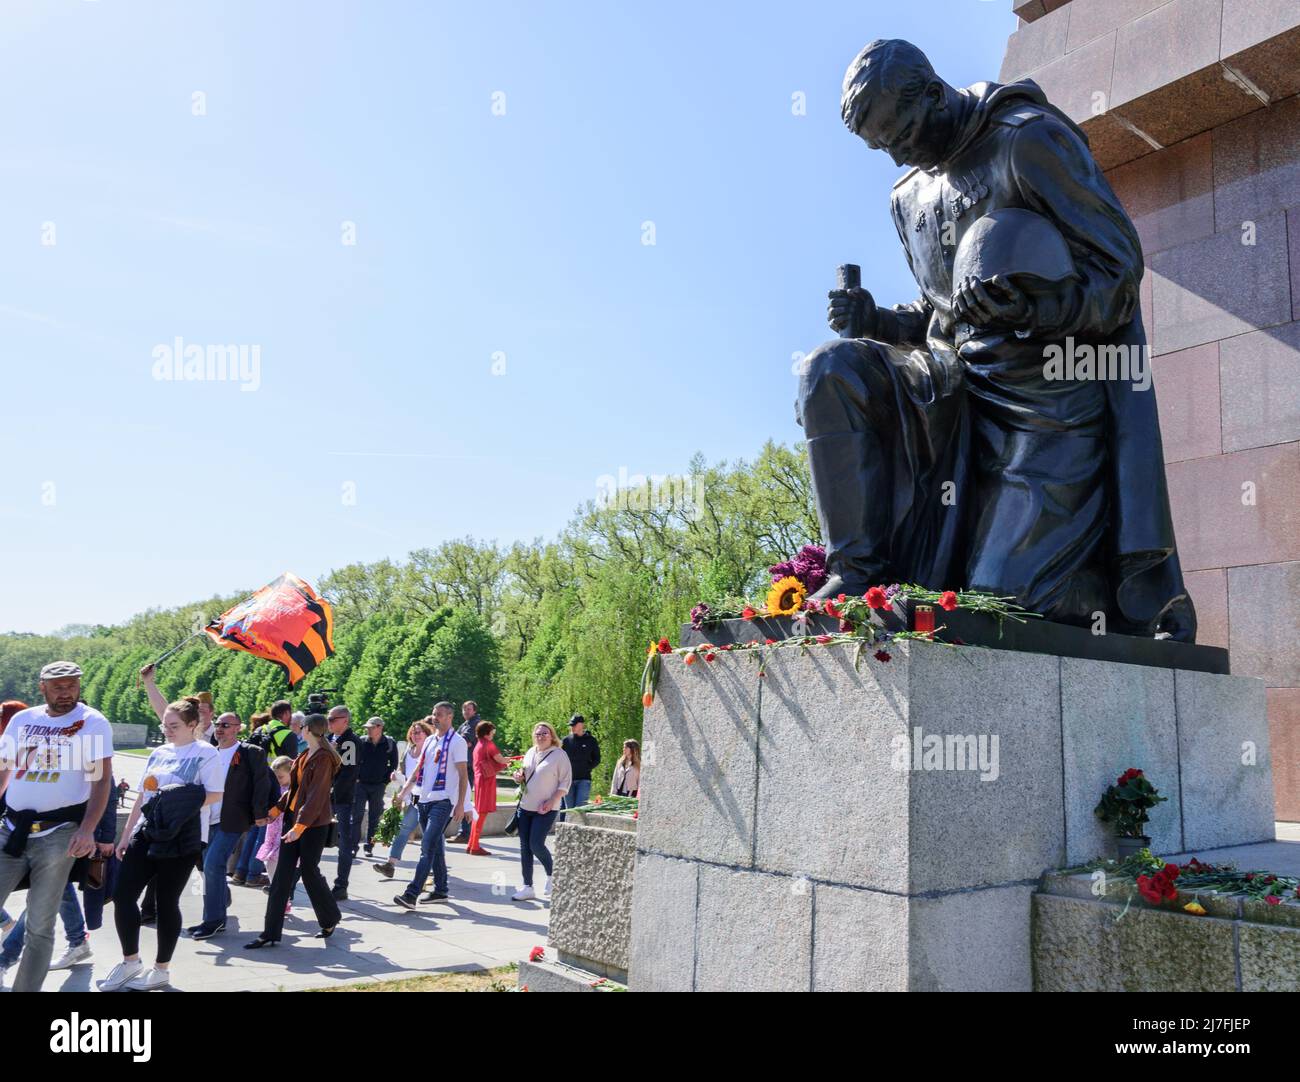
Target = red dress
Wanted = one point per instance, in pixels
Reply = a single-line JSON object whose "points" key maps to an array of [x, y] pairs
{"points": [[486, 769]]}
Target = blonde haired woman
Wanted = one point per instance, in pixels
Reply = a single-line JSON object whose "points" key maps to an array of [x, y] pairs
{"points": [[163, 854], [416, 735], [307, 814], [545, 778]]}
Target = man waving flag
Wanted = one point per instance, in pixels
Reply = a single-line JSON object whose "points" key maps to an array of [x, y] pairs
{"points": [[287, 622]]}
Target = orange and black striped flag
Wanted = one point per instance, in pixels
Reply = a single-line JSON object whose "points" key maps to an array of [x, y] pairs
{"points": [[288, 623]]}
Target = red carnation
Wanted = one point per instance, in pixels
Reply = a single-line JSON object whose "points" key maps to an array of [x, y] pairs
{"points": [[770, 642], [823, 639], [536, 954], [1272, 899], [948, 600], [846, 625], [1149, 889], [665, 647], [875, 597], [747, 613], [710, 657], [828, 607]]}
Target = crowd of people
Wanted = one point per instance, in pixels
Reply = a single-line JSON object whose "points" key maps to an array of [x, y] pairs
{"points": [[249, 809]]}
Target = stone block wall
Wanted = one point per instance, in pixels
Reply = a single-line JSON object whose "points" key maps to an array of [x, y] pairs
{"points": [[1192, 108], [792, 837], [591, 898]]}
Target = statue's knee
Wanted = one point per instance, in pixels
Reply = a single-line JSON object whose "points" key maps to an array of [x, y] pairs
{"points": [[842, 365], [836, 358]]}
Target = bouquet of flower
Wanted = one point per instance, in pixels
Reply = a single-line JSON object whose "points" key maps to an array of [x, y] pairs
{"points": [[389, 824], [611, 805], [1127, 802]]}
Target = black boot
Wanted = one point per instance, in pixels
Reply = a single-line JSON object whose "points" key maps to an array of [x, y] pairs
{"points": [[851, 480]]}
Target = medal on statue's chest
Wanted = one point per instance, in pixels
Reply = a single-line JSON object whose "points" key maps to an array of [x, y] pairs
{"points": [[964, 191]]}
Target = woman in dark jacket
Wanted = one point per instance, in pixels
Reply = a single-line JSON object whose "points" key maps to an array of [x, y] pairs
{"points": [[307, 814]]}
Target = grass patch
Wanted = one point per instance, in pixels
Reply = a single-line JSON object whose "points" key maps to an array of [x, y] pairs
{"points": [[139, 753], [500, 979]]}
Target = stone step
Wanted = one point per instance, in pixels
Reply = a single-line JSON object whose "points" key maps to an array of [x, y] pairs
{"points": [[1090, 945], [1276, 857], [550, 976]]}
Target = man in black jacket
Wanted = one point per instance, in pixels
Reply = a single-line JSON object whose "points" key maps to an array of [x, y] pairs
{"points": [[374, 771], [344, 792], [583, 751], [468, 733], [244, 804]]}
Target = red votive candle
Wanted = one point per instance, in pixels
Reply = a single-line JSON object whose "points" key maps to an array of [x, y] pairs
{"points": [[923, 618]]}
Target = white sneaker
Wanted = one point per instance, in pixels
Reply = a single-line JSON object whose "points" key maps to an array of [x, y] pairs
{"points": [[148, 980], [74, 956], [3, 971], [120, 974], [524, 895], [546, 890]]}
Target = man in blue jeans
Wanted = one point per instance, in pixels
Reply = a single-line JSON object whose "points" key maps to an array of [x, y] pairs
{"points": [[74, 927], [441, 779], [55, 776], [344, 793], [244, 804], [583, 751]]}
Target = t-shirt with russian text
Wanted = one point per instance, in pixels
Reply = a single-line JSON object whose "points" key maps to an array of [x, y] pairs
{"points": [[54, 759], [197, 763]]}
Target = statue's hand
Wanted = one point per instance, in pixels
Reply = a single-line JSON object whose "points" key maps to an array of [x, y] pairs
{"points": [[993, 303], [851, 309]]}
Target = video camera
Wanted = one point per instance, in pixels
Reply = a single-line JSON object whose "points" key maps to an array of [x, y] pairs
{"points": [[318, 702]]}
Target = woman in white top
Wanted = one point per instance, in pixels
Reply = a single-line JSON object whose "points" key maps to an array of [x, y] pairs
{"points": [[545, 778], [182, 759], [415, 738]]}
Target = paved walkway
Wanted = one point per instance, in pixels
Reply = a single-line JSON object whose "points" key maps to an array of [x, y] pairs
{"points": [[480, 928]]}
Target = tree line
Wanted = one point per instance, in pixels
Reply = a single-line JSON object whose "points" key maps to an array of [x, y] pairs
{"points": [[531, 632]]}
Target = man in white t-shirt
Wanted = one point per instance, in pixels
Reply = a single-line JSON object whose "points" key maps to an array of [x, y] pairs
{"points": [[441, 778], [55, 776]]}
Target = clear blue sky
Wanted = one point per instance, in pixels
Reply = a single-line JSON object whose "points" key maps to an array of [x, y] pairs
{"points": [[475, 234]]}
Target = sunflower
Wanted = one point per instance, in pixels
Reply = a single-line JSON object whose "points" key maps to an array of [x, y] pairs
{"points": [[785, 598]]}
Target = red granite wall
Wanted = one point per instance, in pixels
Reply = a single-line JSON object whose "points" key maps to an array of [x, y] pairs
{"points": [[1192, 107]]}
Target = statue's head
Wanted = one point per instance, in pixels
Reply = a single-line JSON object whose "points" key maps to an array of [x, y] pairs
{"points": [[894, 102]]}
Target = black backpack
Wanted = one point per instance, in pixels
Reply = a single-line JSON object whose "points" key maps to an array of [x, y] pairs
{"points": [[277, 737]]}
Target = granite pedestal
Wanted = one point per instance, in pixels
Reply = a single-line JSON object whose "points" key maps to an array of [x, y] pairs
{"points": [[823, 827]]}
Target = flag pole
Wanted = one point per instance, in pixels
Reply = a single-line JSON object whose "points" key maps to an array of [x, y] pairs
{"points": [[178, 646]]}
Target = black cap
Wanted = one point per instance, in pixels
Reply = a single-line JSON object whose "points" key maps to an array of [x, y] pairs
{"points": [[577, 719]]}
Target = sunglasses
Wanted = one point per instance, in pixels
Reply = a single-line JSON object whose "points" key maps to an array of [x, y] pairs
{"points": [[226, 725]]}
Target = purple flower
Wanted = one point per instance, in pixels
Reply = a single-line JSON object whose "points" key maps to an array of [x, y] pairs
{"points": [[809, 567], [699, 616], [891, 591]]}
